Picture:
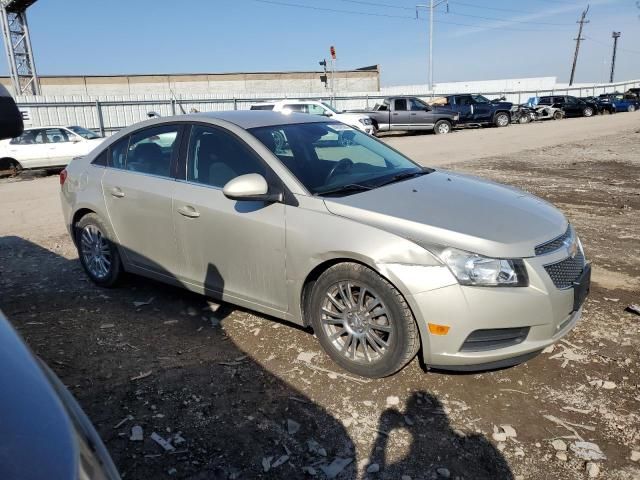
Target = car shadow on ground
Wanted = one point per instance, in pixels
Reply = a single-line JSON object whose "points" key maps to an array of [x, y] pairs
{"points": [[157, 356]]}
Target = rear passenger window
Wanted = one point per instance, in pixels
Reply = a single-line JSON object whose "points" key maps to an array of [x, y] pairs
{"points": [[101, 160], [151, 150], [118, 153], [401, 104], [215, 157]]}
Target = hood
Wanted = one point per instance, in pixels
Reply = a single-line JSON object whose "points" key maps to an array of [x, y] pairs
{"points": [[459, 211], [354, 117]]}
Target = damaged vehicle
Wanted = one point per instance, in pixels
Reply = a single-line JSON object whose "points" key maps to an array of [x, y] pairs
{"points": [[382, 257]]}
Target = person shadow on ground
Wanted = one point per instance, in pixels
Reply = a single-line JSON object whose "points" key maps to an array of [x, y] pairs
{"points": [[435, 450]]}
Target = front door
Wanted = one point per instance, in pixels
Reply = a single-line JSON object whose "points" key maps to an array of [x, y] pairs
{"points": [[401, 115], [63, 146], [421, 115], [138, 188], [234, 249]]}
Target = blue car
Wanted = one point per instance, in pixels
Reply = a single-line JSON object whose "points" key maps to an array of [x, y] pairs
{"points": [[622, 102]]}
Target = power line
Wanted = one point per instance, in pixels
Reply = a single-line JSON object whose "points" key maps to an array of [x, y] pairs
{"points": [[509, 20], [637, 52], [497, 9], [387, 15], [376, 4]]}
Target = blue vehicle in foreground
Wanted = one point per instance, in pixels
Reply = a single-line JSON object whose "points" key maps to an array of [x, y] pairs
{"points": [[622, 102]]}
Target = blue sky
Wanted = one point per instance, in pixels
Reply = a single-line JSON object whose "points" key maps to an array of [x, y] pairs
{"points": [[162, 36]]}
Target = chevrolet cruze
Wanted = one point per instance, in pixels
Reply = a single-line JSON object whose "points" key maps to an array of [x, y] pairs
{"points": [[383, 258]]}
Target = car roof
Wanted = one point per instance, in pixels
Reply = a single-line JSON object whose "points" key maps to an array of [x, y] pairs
{"points": [[250, 118]]}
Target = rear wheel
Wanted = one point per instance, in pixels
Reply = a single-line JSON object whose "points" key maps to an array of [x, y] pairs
{"points": [[587, 112], [98, 253], [11, 166], [362, 321], [442, 127], [501, 119]]}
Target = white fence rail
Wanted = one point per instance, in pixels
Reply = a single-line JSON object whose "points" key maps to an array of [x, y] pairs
{"points": [[111, 113]]}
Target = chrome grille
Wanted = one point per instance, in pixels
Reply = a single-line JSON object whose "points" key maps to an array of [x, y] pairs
{"points": [[567, 271], [555, 244]]}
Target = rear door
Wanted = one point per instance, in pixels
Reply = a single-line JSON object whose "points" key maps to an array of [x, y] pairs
{"points": [[400, 115], [234, 249], [30, 149], [138, 186], [463, 105]]}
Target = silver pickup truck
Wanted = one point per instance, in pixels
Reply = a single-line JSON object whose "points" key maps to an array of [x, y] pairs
{"points": [[408, 114]]}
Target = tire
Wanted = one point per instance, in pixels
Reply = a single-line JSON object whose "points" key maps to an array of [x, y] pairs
{"points": [[631, 108], [12, 166], [501, 119], [442, 127], [89, 230], [587, 112], [524, 119], [558, 115], [379, 341]]}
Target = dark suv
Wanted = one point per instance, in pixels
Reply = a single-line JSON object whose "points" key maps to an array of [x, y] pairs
{"points": [[572, 106]]}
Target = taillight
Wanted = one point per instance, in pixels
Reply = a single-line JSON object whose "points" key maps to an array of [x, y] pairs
{"points": [[63, 176]]}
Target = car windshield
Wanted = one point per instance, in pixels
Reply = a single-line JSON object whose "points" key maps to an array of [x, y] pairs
{"points": [[83, 132], [330, 107], [334, 159]]}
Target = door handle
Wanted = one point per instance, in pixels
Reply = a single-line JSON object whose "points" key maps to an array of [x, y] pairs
{"points": [[116, 192], [188, 211]]}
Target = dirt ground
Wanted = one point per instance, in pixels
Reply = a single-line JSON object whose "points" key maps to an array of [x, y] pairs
{"points": [[244, 396]]}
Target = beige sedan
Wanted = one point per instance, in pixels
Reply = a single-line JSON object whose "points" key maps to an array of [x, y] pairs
{"points": [[279, 214]]}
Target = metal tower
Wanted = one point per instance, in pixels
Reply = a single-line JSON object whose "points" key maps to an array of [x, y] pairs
{"points": [[13, 16]]}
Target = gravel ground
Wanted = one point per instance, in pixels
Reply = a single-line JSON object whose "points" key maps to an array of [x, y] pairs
{"points": [[240, 395]]}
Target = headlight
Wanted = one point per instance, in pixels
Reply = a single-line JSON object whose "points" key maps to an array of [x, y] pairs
{"points": [[473, 269], [365, 121]]}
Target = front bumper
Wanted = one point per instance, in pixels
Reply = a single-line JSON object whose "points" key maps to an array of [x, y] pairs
{"points": [[542, 308], [368, 129]]}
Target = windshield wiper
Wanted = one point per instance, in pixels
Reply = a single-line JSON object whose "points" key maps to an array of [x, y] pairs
{"points": [[404, 176], [348, 188]]}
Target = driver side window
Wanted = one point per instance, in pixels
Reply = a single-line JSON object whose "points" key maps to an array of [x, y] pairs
{"points": [[316, 109]]}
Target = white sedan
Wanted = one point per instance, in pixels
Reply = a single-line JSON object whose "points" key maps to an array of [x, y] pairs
{"points": [[44, 147]]}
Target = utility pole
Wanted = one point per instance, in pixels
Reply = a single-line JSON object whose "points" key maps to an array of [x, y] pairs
{"points": [[582, 21], [615, 36], [432, 5]]}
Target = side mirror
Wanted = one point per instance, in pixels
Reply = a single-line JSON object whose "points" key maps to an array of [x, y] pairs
{"points": [[327, 113], [75, 138], [250, 187]]}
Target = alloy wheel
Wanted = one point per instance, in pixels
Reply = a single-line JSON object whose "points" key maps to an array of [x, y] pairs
{"points": [[357, 322], [95, 251], [444, 128]]}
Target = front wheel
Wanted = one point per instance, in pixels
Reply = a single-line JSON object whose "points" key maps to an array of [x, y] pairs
{"points": [[502, 119], [558, 115], [442, 127], [362, 321], [98, 254], [587, 112], [631, 108]]}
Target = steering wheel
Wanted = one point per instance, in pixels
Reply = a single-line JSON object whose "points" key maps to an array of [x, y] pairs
{"points": [[343, 165]]}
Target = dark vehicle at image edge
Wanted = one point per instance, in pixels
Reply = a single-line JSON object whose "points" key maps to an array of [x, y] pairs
{"points": [[45, 433], [410, 114]]}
